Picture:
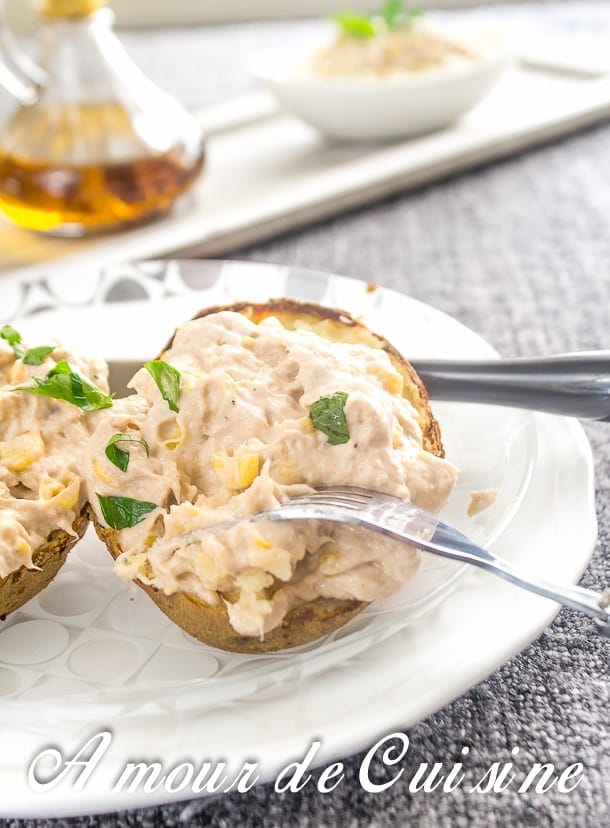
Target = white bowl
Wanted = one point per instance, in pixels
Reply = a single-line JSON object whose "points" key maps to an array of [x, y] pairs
{"points": [[369, 107]]}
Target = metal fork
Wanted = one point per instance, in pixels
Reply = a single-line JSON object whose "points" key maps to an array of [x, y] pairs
{"points": [[405, 522], [575, 385]]}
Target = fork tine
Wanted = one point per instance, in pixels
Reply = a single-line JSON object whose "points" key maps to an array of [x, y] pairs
{"points": [[353, 492], [337, 497], [398, 519], [343, 495], [329, 500]]}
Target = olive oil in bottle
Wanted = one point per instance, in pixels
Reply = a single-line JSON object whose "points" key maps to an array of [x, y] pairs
{"points": [[96, 149]]}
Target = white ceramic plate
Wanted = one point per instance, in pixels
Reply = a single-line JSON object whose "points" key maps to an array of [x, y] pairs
{"points": [[376, 108], [83, 657]]}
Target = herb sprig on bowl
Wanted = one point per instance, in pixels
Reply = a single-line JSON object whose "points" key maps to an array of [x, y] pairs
{"points": [[390, 16]]}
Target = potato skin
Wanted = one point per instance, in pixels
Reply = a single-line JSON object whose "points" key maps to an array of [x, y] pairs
{"points": [[313, 619], [19, 586], [210, 624]]}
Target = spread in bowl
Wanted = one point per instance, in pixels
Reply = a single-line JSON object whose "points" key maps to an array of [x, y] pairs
{"points": [[390, 75], [246, 407], [389, 44]]}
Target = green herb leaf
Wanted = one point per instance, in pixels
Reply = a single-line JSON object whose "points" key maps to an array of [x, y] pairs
{"points": [[396, 15], [36, 356], [13, 337], [167, 379], [392, 11], [62, 383], [354, 24], [120, 457], [328, 416], [124, 512], [33, 356]]}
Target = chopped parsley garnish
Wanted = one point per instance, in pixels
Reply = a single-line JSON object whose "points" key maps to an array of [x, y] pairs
{"points": [[124, 512], [13, 337], [391, 15], [354, 24], [328, 416], [119, 457], [396, 15], [62, 383], [167, 379], [33, 356], [36, 356]]}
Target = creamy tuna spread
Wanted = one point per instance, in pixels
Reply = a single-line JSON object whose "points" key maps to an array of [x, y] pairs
{"points": [[243, 440], [413, 49], [42, 441], [481, 500]]}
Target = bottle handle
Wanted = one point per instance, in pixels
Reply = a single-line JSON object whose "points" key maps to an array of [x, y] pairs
{"points": [[19, 75]]}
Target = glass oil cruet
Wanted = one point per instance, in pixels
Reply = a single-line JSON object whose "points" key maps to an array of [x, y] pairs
{"points": [[93, 146]]}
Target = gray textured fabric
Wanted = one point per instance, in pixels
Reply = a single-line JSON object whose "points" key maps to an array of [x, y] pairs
{"points": [[519, 251]]}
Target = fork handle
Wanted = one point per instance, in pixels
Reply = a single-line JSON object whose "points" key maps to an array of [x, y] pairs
{"points": [[585, 600], [424, 530], [575, 385]]}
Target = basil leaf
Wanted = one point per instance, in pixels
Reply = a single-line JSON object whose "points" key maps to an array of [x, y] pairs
{"points": [[124, 512], [36, 356], [328, 416], [62, 383], [120, 457], [167, 379], [354, 24]]}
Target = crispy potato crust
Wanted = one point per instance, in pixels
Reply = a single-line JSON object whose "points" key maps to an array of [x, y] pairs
{"points": [[18, 587], [313, 619]]}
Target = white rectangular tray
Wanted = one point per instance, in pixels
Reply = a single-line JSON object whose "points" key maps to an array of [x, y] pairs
{"points": [[267, 172]]}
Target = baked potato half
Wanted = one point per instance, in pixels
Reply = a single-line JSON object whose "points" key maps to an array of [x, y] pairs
{"points": [[307, 616], [17, 588], [47, 395]]}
